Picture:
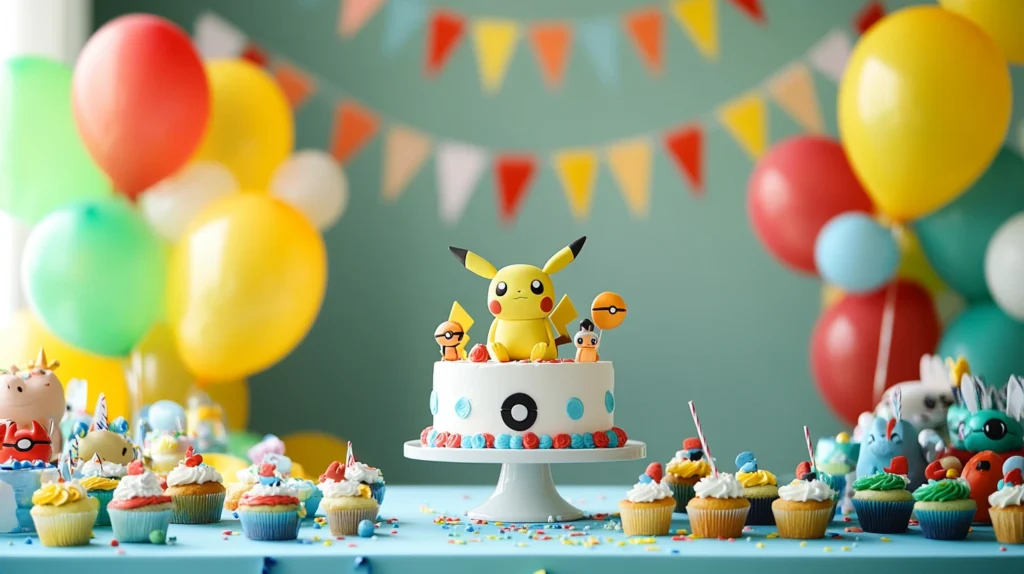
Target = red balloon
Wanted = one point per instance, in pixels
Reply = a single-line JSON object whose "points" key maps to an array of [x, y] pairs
{"points": [[844, 346], [141, 100], [795, 189]]}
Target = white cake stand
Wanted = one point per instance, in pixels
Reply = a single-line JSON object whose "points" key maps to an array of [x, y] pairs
{"points": [[525, 492]]}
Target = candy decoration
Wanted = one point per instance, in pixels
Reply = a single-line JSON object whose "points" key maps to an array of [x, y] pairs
{"points": [[810, 448], [655, 471], [691, 443], [703, 439], [135, 468], [898, 465], [934, 471], [1013, 478], [746, 462], [120, 426], [336, 472], [365, 529], [192, 459], [804, 470], [1012, 463]]}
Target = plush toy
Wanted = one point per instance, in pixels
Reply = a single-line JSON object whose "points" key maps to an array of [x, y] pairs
{"points": [[888, 439], [33, 394], [983, 473]]}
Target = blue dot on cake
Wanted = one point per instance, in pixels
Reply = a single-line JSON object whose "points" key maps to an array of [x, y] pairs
{"points": [[463, 408], [574, 408], [609, 401], [433, 402]]}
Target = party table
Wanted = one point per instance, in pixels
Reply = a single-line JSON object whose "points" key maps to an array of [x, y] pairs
{"points": [[431, 535]]}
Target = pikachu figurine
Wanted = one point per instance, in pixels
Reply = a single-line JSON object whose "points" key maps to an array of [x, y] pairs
{"points": [[527, 324]]}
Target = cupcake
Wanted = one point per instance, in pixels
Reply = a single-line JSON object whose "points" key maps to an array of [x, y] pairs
{"points": [[369, 476], [100, 478], [64, 514], [944, 506], [1005, 504], [647, 509], [140, 511], [308, 494], [248, 477], [270, 510], [759, 488], [197, 491], [882, 502], [684, 470], [718, 508], [165, 449], [837, 457], [346, 502], [804, 506]]}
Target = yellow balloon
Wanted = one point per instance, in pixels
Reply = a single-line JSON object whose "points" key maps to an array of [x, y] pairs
{"points": [[1000, 19], [227, 465], [924, 105], [314, 451], [158, 368], [21, 338], [251, 128], [245, 285], [233, 398]]}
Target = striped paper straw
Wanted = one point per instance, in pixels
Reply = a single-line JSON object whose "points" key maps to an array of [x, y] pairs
{"points": [[810, 449], [703, 441], [896, 398], [350, 457]]}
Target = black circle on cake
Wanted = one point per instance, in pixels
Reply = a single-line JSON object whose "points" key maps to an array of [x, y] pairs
{"points": [[519, 412]]}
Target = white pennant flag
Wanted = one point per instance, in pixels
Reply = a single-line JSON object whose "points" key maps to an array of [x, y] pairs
{"points": [[215, 37], [830, 54], [459, 168]]}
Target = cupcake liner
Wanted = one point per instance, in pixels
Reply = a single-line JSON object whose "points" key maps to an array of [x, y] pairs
{"points": [[945, 524], [1008, 525], [840, 484], [313, 503], [104, 496], [803, 524], [67, 529], [883, 517], [197, 508], [345, 522], [760, 513], [139, 525], [717, 523], [682, 493], [642, 520], [270, 525], [377, 492]]}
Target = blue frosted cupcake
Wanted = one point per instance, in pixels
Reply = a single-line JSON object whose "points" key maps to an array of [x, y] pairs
{"points": [[882, 502], [944, 507], [368, 475], [308, 494]]}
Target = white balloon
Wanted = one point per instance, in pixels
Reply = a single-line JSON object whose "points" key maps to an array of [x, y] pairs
{"points": [[312, 182], [1004, 266], [170, 205]]}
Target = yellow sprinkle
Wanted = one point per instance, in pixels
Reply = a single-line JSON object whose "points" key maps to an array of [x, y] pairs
{"points": [[316, 539], [846, 548], [652, 548], [772, 535], [491, 537], [328, 543], [499, 524], [621, 543], [459, 542], [645, 540], [827, 549], [885, 539], [521, 544], [236, 533], [682, 531], [803, 544], [609, 540], [760, 544]]}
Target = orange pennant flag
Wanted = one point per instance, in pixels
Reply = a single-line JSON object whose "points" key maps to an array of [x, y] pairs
{"points": [[296, 84], [644, 27], [630, 163], [793, 90], [405, 151], [354, 127], [551, 41]]}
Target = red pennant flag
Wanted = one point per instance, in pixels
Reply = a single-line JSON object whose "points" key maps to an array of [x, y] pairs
{"points": [[354, 127], [867, 16], [551, 41], [513, 173], [445, 33], [752, 8], [255, 54], [644, 26], [686, 146], [296, 84]]}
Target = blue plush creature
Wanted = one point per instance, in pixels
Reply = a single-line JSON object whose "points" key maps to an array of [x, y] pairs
{"points": [[988, 427], [746, 462], [886, 439]]}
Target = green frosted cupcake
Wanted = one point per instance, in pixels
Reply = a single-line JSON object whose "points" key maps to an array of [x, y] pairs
{"points": [[945, 509], [882, 503]]}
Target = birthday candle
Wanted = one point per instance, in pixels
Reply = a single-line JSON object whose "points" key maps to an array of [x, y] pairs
{"points": [[703, 441]]}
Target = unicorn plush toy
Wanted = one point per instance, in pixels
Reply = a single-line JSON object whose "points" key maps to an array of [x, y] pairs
{"points": [[888, 438]]}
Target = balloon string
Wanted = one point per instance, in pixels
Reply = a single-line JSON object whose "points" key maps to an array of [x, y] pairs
{"points": [[885, 341]]}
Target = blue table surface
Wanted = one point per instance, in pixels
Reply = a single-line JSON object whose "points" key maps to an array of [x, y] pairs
{"points": [[420, 545]]}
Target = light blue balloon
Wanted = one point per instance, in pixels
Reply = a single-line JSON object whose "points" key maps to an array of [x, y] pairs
{"points": [[990, 340], [855, 253], [166, 416]]}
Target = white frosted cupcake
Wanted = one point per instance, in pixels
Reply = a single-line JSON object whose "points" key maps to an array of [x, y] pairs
{"points": [[804, 508], [718, 508], [346, 503], [1007, 511], [197, 490], [647, 509]]}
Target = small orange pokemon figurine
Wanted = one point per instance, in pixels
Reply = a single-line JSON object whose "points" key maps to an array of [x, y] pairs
{"points": [[449, 334], [586, 342]]}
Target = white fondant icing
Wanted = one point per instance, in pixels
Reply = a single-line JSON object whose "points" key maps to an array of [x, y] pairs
{"points": [[487, 385]]}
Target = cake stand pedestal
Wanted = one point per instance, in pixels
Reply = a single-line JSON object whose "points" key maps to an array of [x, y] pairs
{"points": [[525, 492]]}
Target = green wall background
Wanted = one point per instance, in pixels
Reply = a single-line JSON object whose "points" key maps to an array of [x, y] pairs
{"points": [[712, 317]]}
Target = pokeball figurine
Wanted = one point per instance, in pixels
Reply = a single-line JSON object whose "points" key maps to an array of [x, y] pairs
{"points": [[608, 310], [586, 342], [449, 335]]}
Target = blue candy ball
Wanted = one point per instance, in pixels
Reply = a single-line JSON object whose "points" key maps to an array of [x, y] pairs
{"points": [[365, 529]]}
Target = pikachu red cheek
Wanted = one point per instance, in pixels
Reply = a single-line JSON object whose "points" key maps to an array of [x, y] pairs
{"points": [[546, 304], [494, 307]]}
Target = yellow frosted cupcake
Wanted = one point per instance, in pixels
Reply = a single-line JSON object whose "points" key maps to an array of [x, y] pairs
{"points": [[1006, 508], [804, 508], [685, 469], [64, 514], [647, 508], [718, 508], [760, 487]]}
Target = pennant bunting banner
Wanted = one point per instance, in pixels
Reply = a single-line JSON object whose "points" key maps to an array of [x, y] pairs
{"points": [[296, 84], [459, 168], [550, 42], [354, 127], [513, 175], [685, 146], [752, 8], [446, 30], [793, 90], [355, 14], [630, 164], [577, 170], [405, 151], [867, 16], [746, 119], [644, 27], [601, 43], [699, 19], [830, 54], [215, 38], [401, 20], [256, 55], [495, 43]]}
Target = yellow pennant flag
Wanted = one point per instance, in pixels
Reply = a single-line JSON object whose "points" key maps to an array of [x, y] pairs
{"points": [[699, 19], [793, 90], [495, 43], [746, 119], [577, 170], [630, 162]]}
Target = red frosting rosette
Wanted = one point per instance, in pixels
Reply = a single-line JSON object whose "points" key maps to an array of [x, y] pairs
{"points": [[562, 441], [425, 434], [441, 439], [454, 440], [601, 439], [489, 440], [479, 354], [621, 434], [530, 441]]}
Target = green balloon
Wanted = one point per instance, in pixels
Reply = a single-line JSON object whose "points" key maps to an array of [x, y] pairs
{"points": [[43, 163], [94, 274], [991, 341], [240, 442]]}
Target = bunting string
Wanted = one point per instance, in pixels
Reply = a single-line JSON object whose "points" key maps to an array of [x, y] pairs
{"points": [[460, 165]]}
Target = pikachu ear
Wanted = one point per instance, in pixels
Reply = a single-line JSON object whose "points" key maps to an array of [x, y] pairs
{"points": [[564, 257], [474, 263]]}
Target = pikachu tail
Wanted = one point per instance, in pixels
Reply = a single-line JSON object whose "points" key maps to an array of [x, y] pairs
{"points": [[561, 317], [460, 316]]}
